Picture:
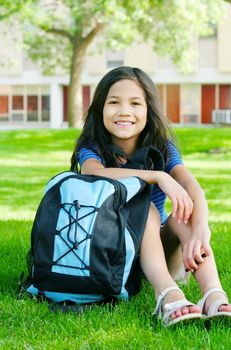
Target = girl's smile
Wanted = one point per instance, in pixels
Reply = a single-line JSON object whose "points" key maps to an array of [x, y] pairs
{"points": [[124, 123], [125, 112]]}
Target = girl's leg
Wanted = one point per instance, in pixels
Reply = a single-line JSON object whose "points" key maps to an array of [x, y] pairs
{"points": [[173, 235], [154, 265], [173, 253]]}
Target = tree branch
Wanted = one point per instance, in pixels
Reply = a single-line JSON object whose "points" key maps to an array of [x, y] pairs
{"points": [[58, 31], [91, 35]]}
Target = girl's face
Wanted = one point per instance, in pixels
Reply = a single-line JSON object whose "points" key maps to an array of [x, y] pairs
{"points": [[125, 112]]}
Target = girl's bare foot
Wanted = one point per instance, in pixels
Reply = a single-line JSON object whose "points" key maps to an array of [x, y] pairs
{"points": [[215, 303], [176, 295]]}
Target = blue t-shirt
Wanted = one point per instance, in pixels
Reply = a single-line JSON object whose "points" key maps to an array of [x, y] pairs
{"points": [[158, 197]]}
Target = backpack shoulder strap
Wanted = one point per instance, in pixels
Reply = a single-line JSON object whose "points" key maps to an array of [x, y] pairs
{"points": [[147, 158]]}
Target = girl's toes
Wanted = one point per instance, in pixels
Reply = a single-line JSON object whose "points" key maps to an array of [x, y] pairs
{"points": [[185, 311], [173, 316], [194, 309], [225, 308], [178, 313]]}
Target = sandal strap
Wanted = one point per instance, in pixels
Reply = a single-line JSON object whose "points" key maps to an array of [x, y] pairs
{"points": [[201, 302], [161, 297], [214, 308]]}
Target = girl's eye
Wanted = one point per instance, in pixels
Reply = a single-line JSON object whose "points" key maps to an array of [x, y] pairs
{"points": [[113, 102], [136, 103]]}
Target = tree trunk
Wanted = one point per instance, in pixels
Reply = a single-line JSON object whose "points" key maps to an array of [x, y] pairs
{"points": [[75, 88], [75, 100]]}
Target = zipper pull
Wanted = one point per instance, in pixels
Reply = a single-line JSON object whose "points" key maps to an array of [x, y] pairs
{"points": [[76, 204], [77, 207]]}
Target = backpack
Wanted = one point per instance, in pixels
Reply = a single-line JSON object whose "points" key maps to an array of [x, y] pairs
{"points": [[85, 238]]}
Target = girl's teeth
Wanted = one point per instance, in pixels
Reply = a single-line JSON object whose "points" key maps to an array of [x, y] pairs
{"points": [[124, 123]]}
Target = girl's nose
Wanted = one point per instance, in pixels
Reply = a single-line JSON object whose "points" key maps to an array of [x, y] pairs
{"points": [[124, 114]]}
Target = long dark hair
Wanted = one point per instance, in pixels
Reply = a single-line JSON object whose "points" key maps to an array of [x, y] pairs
{"points": [[94, 134]]}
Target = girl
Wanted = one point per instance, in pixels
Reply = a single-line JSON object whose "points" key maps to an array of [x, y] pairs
{"points": [[124, 116]]}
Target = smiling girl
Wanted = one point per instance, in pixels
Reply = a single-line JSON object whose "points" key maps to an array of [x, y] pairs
{"points": [[123, 117]]}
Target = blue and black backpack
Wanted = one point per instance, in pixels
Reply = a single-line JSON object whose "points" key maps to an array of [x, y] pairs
{"points": [[86, 237]]}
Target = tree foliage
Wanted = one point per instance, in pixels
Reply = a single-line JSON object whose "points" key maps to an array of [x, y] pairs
{"points": [[170, 25], [9, 7]]}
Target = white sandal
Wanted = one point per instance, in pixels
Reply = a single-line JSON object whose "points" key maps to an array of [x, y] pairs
{"points": [[164, 312], [214, 308]]}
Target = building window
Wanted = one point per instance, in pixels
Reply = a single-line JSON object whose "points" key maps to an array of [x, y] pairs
{"points": [[17, 102], [32, 108], [4, 108], [224, 96], [22, 103], [208, 102], [173, 102], [114, 64], [45, 103], [190, 103], [212, 30], [45, 108], [114, 59]]}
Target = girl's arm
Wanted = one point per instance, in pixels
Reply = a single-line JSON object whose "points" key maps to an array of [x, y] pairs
{"points": [[199, 240], [95, 167], [182, 205]]}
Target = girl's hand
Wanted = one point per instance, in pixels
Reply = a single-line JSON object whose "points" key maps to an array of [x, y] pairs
{"points": [[196, 248], [182, 205]]}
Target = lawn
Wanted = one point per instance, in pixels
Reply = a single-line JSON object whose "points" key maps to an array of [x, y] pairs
{"points": [[27, 160]]}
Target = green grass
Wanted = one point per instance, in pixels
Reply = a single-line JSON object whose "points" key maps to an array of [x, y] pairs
{"points": [[27, 160]]}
